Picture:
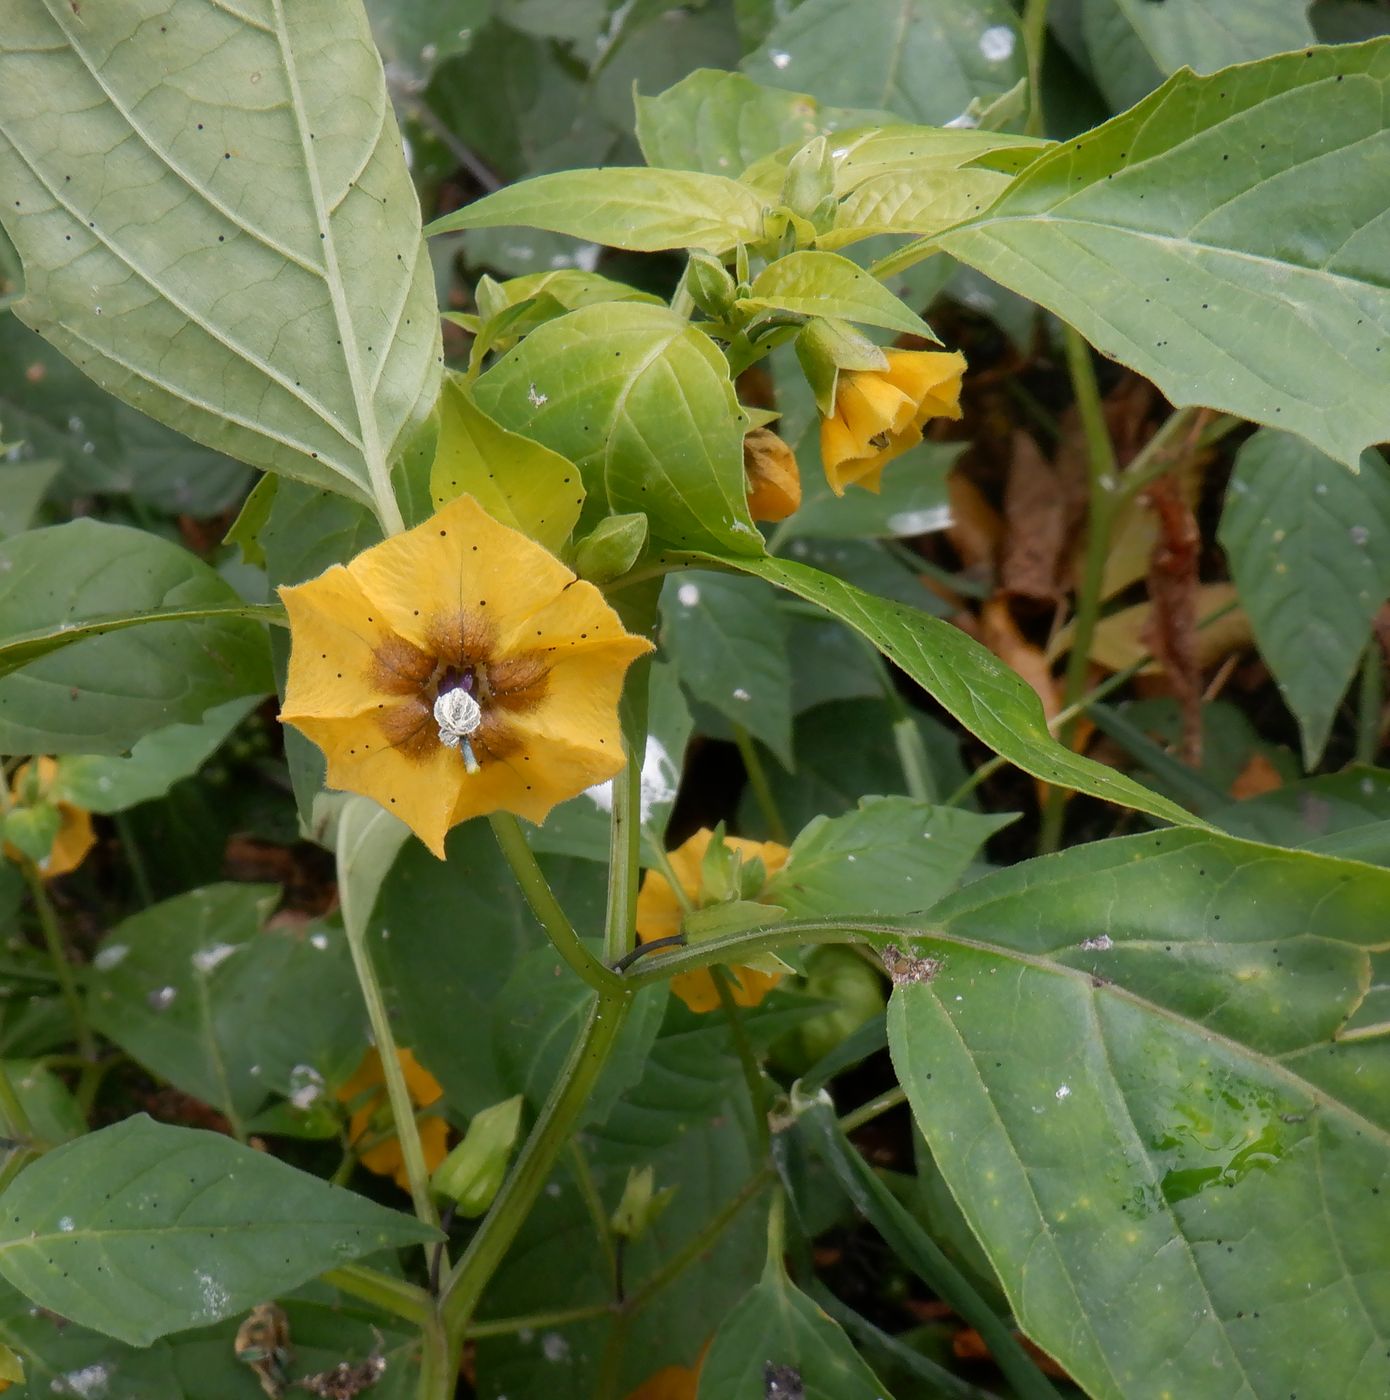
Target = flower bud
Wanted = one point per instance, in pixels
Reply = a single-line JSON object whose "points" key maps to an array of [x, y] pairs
{"points": [[709, 284], [771, 476], [853, 992], [472, 1174], [641, 1204], [824, 347], [32, 830], [810, 180], [612, 548]]}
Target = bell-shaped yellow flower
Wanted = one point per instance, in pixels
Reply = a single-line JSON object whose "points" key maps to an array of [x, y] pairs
{"points": [[879, 413], [771, 475], [365, 1092], [458, 669], [660, 912], [75, 836]]}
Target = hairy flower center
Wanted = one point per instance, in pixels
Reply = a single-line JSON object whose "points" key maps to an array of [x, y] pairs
{"points": [[458, 715]]}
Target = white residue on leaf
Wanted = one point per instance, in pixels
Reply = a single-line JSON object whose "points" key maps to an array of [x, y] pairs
{"points": [[537, 398], [319, 940], [89, 1383], [554, 1347], [660, 779], [780, 58], [1063, 1091], [161, 998], [997, 43], [205, 959], [66, 1225], [741, 694], [110, 956], [213, 1296], [920, 522], [306, 1086], [688, 594], [1100, 944]]}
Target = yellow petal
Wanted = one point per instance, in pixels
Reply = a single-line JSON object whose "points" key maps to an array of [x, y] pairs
{"points": [[460, 560], [542, 772], [580, 703], [75, 838], [573, 615], [772, 477], [870, 405]]}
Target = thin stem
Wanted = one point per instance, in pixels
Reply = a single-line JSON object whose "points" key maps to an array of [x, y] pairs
{"points": [[58, 955], [748, 1061], [1034, 40], [777, 1228], [134, 858], [545, 906], [624, 855], [1371, 703], [593, 1203], [390, 1294], [866, 1113], [397, 1092], [907, 737], [1156, 456], [465, 1284], [757, 780], [536, 1322]]}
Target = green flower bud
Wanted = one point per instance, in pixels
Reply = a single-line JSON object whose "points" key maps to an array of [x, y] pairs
{"points": [[472, 1174], [810, 180], [612, 548], [824, 347], [709, 284], [32, 830], [641, 1204], [855, 993]]}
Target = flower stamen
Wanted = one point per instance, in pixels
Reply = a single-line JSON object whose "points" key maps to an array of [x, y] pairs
{"points": [[458, 716]]}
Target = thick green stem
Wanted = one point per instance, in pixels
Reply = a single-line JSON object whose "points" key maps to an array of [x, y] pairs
{"points": [[545, 906], [1034, 41], [465, 1284], [394, 1295], [1372, 703], [757, 780], [58, 955], [439, 1361]]}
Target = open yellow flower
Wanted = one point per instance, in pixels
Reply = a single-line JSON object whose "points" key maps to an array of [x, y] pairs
{"points": [[879, 413], [458, 669], [771, 474], [32, 782], [660, 913], [371, 1117]]}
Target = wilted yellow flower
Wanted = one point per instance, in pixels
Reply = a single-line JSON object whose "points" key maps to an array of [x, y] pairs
{"points": [[371, 1117], [31, 782], [879, 413], [458, 669], [672, 1382], [771, 474], [659, 915]]}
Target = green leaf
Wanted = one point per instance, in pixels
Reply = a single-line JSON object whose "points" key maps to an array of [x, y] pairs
{"points": [[825, 284], [1325, 813], [721, 123], [974, 685], [642, 403], [891, 855], [1309, 548], [1163, 237], [245, 531], [248, 266], [142, 1229], [32, 830], [922, 59], [1126, 1066], [625, 207], [201, 993], [416, 36], [515, 479], [180, 640], [22, 488], [727, 639], [778, 1336], [102, 783], [53, 1113]]}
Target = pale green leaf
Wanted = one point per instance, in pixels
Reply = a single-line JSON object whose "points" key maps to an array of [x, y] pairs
{"points": [[1226, 239], [143, 1229], [1309, 548], [625, 207], [218, 226], [825, 284], [515, 479], [22, 487], [1126, 1066]]}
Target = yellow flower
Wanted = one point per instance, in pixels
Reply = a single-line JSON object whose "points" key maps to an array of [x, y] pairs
{"points": [[659, 915], [458, 669], [372, 1115], [879, 413], [75, 835], [770, 471]]}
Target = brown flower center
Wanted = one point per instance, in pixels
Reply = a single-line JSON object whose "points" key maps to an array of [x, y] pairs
{"points": [[462, 654]]}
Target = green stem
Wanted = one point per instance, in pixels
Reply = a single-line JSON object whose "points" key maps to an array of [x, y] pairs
{"points": [[748, 1061], [135, 859], [867, 1112], [1034, 40], [539, 1321], [1371, 703], [545, 906], [625, 842], [397, 1092], [465, 1284], [777, 1228], [757, 780], [58, 955], [439, 1361], [394, 1295], [593, 1203]]}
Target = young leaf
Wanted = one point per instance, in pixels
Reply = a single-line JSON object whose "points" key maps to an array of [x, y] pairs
{"points": [[107, 633], [642, 403], [1162, 1014], [1309, 548], [624, 207], [142, 1229], [825, 284], [513, 478], [1163, 234], [247, 266]]}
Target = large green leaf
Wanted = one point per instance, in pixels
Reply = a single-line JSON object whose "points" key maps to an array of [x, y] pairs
{"points": [[22, 489], [1309, 548], [201, 993], [1128, 1064], [142, 1229], [84, 669], [217, 224], [923, 59], [811, 283], [989, 699], [1214, 235], [625, 207], [1345, 814], [642, 403]]}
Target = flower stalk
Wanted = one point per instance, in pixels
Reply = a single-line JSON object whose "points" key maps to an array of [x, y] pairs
{"points": [[58, 955]]}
